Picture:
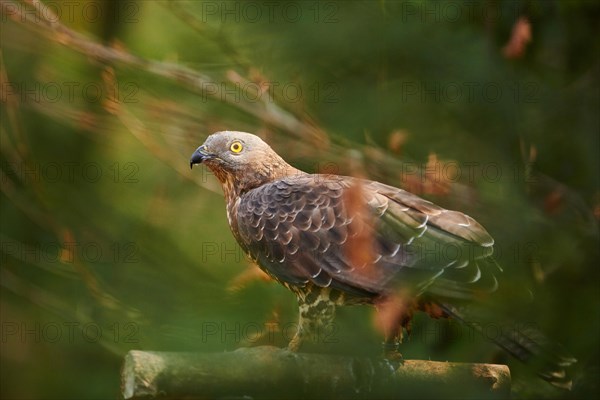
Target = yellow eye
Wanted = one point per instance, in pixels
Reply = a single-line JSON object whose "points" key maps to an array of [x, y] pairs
{"points": [[236, 147]]}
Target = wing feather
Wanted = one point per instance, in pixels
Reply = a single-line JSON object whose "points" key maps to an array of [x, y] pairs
{"points": [[300, 230]]}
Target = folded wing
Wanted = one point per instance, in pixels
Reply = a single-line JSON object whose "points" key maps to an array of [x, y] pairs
{"points": [[364, 238]]}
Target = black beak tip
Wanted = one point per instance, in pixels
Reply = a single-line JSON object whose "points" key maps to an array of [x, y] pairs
{"points": [[199, 156]]}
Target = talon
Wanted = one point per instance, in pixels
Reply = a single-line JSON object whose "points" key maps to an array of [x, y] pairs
{"points": [[390, 347], [395, 358], [393, 361], [294, 344], [392, 355]]}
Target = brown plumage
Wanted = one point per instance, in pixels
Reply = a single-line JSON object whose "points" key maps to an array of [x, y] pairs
{"points": [[336, 240]]}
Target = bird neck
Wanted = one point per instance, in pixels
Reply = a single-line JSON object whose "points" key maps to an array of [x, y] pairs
{"points": [[266, 171], [235, 186]]}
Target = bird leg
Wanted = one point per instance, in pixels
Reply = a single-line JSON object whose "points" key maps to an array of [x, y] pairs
{"points": [[315, 322], [392, 340], [393, 316]]}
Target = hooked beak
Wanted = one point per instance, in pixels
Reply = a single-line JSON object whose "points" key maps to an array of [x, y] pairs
{"points": [[200, 155]]}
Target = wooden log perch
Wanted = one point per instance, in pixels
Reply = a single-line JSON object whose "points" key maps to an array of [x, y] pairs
{"points": [[268, 372]]}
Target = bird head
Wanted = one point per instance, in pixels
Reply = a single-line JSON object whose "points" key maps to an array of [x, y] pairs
{"points": [[240, 160]]}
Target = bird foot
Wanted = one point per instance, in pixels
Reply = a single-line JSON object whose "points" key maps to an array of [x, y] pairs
{"points": [[295, 344], [395, 359], [392, 355]]}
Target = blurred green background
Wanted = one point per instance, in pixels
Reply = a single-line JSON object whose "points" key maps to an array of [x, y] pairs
{"points": [[110, 243]]}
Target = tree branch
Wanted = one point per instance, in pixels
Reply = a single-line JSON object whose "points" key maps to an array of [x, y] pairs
{"points": [[49, 24], [269, 372]]}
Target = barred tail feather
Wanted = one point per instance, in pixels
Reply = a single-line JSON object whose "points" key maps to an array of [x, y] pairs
{"points": [[530, 346]]}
